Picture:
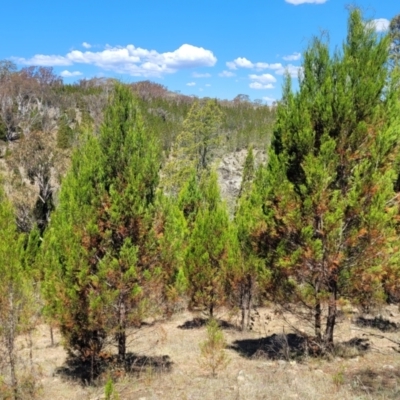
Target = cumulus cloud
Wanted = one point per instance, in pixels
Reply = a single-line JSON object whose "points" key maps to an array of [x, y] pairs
{"points": [[259, 85], [297, 2], [278, 68], [292, 57], [44, 61], [264, 78], [191, 84], [380, 24], [197, 75], [70, 74], [226, 74], [242, 62], [264, 81], [86, 45], [132, 60]]}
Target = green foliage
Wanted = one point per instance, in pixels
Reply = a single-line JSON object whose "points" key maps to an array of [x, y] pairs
{"points": [[213, 356], [3, 130], [17, 304], [248, 270], [195, 145], [98, 256], [326, 196], [109, 390], [64, 133], [211, 249], [171, 229]]}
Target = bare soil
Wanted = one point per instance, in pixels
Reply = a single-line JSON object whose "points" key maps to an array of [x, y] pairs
{"points": [[266, 363]]}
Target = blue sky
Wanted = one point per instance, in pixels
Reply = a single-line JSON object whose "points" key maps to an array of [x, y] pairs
{"points": [[215, 48]]}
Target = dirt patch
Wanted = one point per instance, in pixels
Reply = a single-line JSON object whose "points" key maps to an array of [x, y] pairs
{"points": [[264, 363]]}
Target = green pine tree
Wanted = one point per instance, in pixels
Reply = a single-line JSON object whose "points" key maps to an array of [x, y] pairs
{"points": [[248, 271], [327, 196], [211, 249], [99, 253], [195, 146]]}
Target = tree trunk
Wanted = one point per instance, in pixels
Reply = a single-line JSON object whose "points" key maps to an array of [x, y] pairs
{"points": [[245, 302], [331, 320], [51, 336], [317, 320], [121, 339], [121, 334]]}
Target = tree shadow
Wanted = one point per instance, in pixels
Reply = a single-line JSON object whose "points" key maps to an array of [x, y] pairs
{"points": [[294, 346], [383, 383], [198, 322], [88, 372], [379, 323], [275, 347]]}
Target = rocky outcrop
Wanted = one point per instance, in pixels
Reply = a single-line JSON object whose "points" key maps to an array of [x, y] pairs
{"points": [[230, 171]]}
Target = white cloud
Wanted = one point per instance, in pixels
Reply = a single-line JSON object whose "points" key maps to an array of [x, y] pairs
{"points": [[264, 81], [44, 61], [297, 2], [292, 57], [380, 24], [275, 66], [132, 60], [191, 84], [226, 74], [68, 74], [258, 85], [278, 68], [86, 45], [264, 78], [208, 84], [200, 89], [197, 75], [242, 62]]}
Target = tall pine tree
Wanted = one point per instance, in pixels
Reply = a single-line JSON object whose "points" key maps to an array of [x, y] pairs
{"points": [[100, 270], [327, 194]]}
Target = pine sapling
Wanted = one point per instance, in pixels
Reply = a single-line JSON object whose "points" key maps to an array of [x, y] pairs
{"points": [[213, 356]]}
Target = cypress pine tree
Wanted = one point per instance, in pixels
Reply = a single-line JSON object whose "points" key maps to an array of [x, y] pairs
{"points": [[195, 146], [101, 271], [327, 193], [171, 229], [247, 271], [211, 249]]}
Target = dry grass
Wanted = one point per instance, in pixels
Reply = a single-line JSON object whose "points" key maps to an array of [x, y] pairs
{"points": [[253, 372]]}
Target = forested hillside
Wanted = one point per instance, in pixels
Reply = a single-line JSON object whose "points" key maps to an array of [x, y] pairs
{"points": [[111, 210]]}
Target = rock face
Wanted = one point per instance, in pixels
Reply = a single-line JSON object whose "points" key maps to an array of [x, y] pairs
{"points": [[230, 172]]}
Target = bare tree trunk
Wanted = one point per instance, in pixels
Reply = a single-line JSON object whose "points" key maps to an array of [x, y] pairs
{"points": [[121, 339], [245, 302], [331, 320], [51, 336], [317, 320], [121, 334]]}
